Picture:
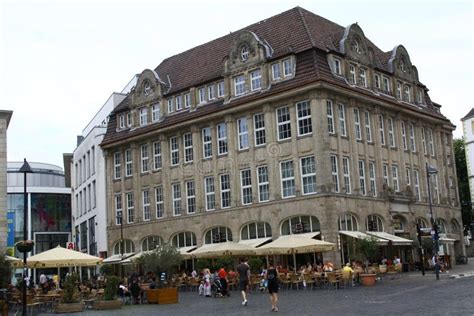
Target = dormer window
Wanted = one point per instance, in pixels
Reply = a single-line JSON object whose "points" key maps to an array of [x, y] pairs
{"points": [[170, 105], [287, 67], [355, 46], [420, 96], [143, 115], [362, 77], [210, 92], [220, 89], [276, 71], [129, 119], [239, 85], [187, 100], [202, 95], [256, 80], [352, 74], [179, 103], [399, 90], [244, 53], [147, 88], [155, 112], [377, 81], [385, 85], [406, 93], [336, 63], [121, 121]]}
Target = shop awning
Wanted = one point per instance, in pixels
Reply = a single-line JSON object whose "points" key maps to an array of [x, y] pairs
{"points": [[117, 258], [361, 235], [228, 248], [255, 242], [186, 251], [396, 240], [14, 262], [298, 243]]}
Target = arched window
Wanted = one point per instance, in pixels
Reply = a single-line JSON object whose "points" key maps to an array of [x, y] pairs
{"points": [[300, 224], [374, 223], [147, 88], [455, 228], [128, 247], [441, 225], [347, 222], [355, 46], [151, 242], [244, 53], [422, 222], [256, 230], [184, 239], [218, 234]]}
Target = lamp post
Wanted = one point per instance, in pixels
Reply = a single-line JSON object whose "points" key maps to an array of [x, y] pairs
{"points": [[434, 227], [25, 168], [121, 244]]}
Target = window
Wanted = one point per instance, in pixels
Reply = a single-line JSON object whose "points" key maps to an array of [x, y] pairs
{"points": [[155, 112], [187, 100], [94, 194], [128, 163], [174, 151], [225, 190], [243, 133], [385, 85], [130, 208], [300, 225], [430, 142], [347, 222], [145, 167], [342, 119], [222, 146], [263, 184], [382, 130], [287, 67], [284, 124], [220, 89], [188, 147], [412, 138], [191, 197], [374, 223], [146, 205], [151, 243], [287, 179], [330, 116], [368, 127], [256, 80], [396, 186], [346, 170], [246, 186], [377, 81], [256, 230], [385, 174], [143, 115], [304, 118], [408, 175], [363, 189], [217, 235], [184, 239], [129, 247], [93, 156], [451, 182], [404, 136], [179, 102], [423, 140], [308, 175], [160, 208], [259, 129], [435, 188], [210, 193], [276, 71], [118, 209], [121, 121], [129, 119], [202, 95], [210, 92], [206, 142], [239, 85], [117, 166], [372, 183], [244, 53], [170, 105], [336, 64], [358, 132], [362, 78], [157, 155], [391, 136], [420, 96], [335, 173], [406, 93], [352, 74], [399, 90], [176, 199]]}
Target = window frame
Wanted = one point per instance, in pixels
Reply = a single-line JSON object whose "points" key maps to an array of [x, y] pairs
{"points": [[224, 180], [290, 180], [144, 159], [222, 141], [243, 133], [128, 163], [176, 195], [362, 180], [342, 119], [357, 128], [117, 165], [256, 80], [263, 184], [308, 175], [155, 112], [330, 117], [190, 197], [130, 207], [239, 85], [157, 159], [188, 147], [246, 190], [335, 172], [304, 120], [174, 151], [210, 195], [159, 202], [373, 178], [146, 205], [346, 174], [259, 129], [287, 67], [206, 135]]}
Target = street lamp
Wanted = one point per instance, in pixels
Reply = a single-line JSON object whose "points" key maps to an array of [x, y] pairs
{"points": [[121, 244], [25, 169], [434, 228]]}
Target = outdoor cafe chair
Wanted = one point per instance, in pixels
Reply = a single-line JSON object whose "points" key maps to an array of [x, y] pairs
{"points": [[308, 281], [284, 280], [332, 280], [296, 280]]}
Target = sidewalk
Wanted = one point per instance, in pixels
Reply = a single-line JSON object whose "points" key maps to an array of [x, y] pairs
{"points": [[457, 271]]}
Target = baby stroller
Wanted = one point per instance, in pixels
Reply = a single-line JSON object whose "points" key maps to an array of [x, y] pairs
{"points": [[218, 289]]}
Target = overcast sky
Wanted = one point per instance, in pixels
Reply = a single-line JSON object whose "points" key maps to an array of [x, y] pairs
{"points": [[61, 60]]}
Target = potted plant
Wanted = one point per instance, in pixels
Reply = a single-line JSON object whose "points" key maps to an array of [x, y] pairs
{"points": [[163, 261], [5, 275], [367, 249], [70, 299], [110, 300]]}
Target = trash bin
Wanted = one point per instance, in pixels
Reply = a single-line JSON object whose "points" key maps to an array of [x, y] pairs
{"points": [[405, 267]]}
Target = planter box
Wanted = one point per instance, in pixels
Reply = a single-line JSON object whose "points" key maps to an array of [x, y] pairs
{"points": [[162, 296], [368, 279], [113, 304], [69, 308]]}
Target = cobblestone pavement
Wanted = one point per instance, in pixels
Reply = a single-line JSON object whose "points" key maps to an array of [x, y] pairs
{"points": [[408, 294]]}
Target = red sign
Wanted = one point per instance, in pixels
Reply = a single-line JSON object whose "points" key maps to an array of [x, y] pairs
{"points": [[70, 245]]}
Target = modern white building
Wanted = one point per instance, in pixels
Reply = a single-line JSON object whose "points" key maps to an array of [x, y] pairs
{"points": [[88, 181]]}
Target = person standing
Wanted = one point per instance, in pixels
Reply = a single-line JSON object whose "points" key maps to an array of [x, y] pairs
{"points": [[243, 270], [272, 283], [437, 266], [223, 278]]}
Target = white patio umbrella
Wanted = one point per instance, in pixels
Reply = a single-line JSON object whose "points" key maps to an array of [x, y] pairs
{"points": [[222, 249], [62, 257]]}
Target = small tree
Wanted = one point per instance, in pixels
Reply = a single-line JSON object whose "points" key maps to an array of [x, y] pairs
{"points": [[255, 264], [5, 271], [111, 288], [367, 249], [70, 290], [202, 264], [106, 269], [225, 261], [164, 259]]}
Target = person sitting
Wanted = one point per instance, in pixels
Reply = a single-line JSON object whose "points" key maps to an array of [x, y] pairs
{"points": [[153, 283], [123, 293]]}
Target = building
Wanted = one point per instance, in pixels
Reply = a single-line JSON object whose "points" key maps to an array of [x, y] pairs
{"points": [[88, 181], [468, 133], [49, 206], [5, 117], [258, 134]]}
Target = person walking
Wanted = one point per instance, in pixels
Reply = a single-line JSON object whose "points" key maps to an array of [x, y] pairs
{"points": [[243, 270], [437, 266], [272, 283]]}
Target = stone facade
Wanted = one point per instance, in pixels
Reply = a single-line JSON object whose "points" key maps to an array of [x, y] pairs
{"points": [[336, 142], [5, 117]]}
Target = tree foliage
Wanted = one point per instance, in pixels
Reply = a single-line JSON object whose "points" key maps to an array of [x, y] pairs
{"points": [[165, 258], [111, 288], [5, 271], [70, 289], [463, 180]]}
